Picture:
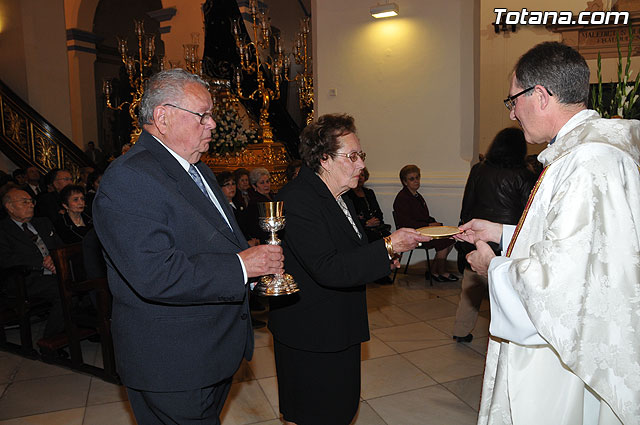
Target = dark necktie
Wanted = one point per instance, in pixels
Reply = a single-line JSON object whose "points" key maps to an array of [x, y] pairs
{"points": [[196, 178], [33, 236], [193, 172]]}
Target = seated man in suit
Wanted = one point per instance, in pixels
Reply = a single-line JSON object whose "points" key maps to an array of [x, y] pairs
{"points": [[26, 241], [33, 182], [177, 262], [50, 203]]}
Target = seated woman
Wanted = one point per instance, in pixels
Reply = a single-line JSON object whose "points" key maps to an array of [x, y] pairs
{"points": [[228, 185], [368, 210], [74, 224], [241, 199], [260, 190], [411, 211]]}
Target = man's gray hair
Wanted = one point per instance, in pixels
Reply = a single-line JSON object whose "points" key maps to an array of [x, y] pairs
{"points": [[558, 68], [257, 173], [165, 87], [5, 192]]}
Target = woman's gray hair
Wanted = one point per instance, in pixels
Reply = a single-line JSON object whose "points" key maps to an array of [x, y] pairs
{"points": [[165, 87], [256, 174]]}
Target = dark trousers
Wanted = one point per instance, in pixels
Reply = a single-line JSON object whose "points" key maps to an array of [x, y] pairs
{"points": [[193, 407], [46, 286]]}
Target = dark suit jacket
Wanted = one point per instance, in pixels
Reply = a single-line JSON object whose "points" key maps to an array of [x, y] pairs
{"points": [[49, 205], [331, 266], [180, 307], [17, 248], [30, 191]]}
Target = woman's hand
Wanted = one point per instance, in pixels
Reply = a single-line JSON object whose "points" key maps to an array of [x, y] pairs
{"points": [[480, 230], [406, 239]]}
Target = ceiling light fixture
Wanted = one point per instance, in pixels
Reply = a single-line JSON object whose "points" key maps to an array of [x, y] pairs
{"points": [[384, 10]]}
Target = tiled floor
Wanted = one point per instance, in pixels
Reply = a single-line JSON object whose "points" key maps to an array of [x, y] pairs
{"points": [[412, 371]]}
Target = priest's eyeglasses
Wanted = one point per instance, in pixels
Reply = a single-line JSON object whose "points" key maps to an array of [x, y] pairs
{"points": [[203, 117], [353, 156], [510, 102]]}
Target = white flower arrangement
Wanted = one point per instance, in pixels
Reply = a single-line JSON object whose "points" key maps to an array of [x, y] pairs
{"points": [[625, 90], [230, 136]]}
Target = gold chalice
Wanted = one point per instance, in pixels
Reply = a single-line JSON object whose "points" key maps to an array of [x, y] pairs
{"points": [[271, 216]]}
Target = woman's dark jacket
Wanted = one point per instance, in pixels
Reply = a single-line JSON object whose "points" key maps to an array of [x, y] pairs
{"points": [[69, 232], [331, 265], [496, 194]]}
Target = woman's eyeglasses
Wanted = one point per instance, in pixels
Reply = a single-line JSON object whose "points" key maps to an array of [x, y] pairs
{"points": [[353, 156]]}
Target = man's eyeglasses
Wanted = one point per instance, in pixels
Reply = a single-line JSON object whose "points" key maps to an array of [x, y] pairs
{"points": [[510, 102], [203, 117], [353, 156], [413, 178]]}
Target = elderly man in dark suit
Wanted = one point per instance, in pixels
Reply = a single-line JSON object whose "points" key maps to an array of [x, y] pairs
{"points": [[50, 203], [178, 264], [26, 241]]}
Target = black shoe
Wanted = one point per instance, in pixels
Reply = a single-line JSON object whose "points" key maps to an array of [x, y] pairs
{"points": [[439, 278], [467, 338], [258, 324], [451, 278]]}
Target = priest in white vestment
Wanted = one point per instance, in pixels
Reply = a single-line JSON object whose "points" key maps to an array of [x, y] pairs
{"points": [[565, 296]]}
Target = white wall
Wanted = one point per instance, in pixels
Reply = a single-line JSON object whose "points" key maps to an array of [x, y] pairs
{"points": [[409, 83], [500, 52], [33, 57]]}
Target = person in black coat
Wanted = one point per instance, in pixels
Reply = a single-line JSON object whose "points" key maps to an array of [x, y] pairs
{"points": [[177, 262], [368, 210], [317, 332], [49, 204], [411, 210], [74, 224], [26, 240], [497, 190]]}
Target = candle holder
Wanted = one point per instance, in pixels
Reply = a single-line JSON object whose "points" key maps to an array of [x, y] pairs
{"points": [[302, 56], [251, 53], [138, 69]]}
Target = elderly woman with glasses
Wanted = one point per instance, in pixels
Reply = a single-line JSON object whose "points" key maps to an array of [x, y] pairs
{"points": [[317, 332], [411, 210]]}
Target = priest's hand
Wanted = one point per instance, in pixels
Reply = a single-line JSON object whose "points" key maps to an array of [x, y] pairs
{"points": [[480, 258], [480, 230]]}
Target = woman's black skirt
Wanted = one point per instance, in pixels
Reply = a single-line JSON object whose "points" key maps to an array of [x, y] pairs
{"points": [[318, 388]]}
